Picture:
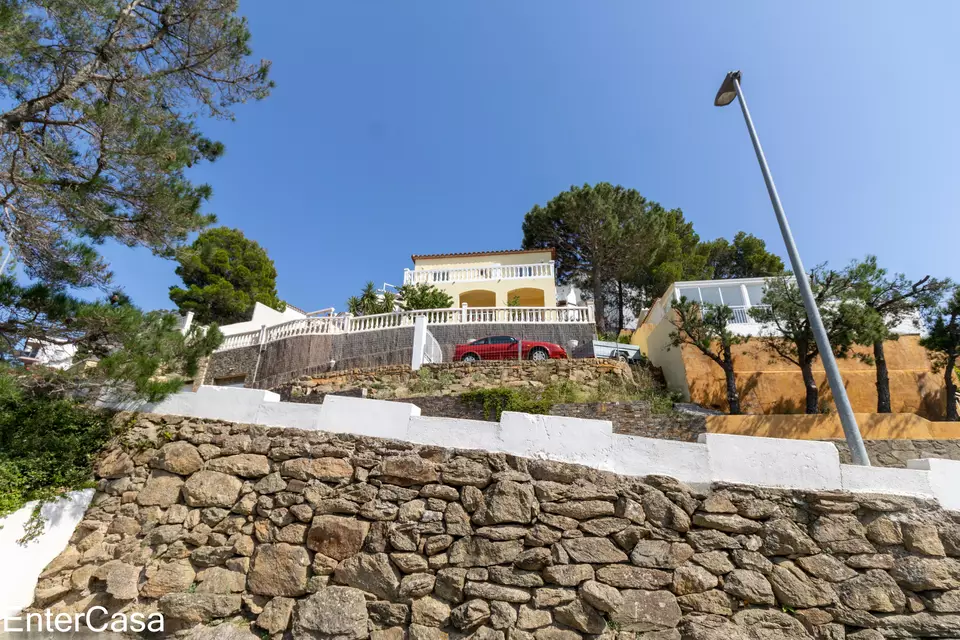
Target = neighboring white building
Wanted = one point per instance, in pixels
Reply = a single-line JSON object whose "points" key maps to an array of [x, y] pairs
{"points": [[48, 354], [263, 316], [741, 295]]}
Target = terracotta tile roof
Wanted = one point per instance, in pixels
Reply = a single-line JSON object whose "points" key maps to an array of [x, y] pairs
{"points": [[474, 254]]}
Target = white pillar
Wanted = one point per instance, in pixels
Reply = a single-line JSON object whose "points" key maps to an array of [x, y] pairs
{"points": [[463, 313], [419, 342], [187, 323], [746, 296], [263, 335]]}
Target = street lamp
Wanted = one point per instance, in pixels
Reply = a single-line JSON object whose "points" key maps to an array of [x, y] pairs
{"points": [[729, 90]]}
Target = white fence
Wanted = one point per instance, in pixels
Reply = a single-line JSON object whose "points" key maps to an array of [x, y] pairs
{"points": [[478, 274], [767, 462], [432, 353], [464, 315]]}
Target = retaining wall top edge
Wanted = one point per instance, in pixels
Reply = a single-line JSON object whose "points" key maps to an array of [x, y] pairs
{"points": [[756, 461]]}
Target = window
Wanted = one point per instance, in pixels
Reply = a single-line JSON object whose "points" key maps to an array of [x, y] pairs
{"points": [[502, 340], [711, 295], [481, 341], [755, 293], [732, 296]]}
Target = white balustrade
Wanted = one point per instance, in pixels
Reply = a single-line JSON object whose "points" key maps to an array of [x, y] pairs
{"points": [[741, 313], [350, 324], [479, 274]]}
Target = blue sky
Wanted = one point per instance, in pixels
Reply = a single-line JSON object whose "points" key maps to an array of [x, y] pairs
{"points": [[399, 128]]}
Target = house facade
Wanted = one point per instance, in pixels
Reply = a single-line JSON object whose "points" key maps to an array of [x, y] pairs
{"points": [[768, 383], [520, 278]]}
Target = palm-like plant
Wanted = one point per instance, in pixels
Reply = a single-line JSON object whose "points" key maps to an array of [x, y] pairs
{"points": [[369, 302]]}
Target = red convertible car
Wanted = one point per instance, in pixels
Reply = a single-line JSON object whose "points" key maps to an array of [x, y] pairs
{"points": [[506, 348]]}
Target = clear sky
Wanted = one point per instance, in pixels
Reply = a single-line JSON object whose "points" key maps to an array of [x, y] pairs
{"points": [[399, 128]]}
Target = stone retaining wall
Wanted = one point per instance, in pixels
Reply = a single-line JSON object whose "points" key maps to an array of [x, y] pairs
{"points": [[333, 536], [454, 378], [896, 453]]}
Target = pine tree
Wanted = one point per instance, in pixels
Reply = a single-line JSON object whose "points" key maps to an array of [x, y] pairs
{"points": [[888, 301], [706, 327], [790, 335], [225, 275], [943, 342], [119, 348], [101, 101]]}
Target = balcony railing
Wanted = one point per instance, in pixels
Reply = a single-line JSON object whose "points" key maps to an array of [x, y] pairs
{"points": [[741, 313], [478, 274], [464, 315]]}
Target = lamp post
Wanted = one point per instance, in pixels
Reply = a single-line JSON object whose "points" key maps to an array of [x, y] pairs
{"points": [[729, 90]]}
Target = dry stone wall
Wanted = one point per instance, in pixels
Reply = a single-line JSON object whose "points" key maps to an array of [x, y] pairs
{"points": [[454, 378], [308, 534]]}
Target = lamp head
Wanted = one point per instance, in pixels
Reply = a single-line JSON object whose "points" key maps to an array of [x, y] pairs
{"points": [[727, 91]]}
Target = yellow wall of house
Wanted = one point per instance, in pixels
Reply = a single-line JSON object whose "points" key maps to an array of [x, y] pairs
{"points": [[641, 337], [667, 357], [770, 385], [873, 426], [500, 289]]}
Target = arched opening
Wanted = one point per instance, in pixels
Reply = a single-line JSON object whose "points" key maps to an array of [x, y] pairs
{"points": [[526, 297], [478, 298]]}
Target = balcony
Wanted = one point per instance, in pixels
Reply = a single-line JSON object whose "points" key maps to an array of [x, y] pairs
{"points": [[741, 314], [479, 274]]}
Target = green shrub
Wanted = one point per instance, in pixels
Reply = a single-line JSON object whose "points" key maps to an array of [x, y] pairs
{"points": [[541, 400], [499, 399], [47, 447], [426, 382]]}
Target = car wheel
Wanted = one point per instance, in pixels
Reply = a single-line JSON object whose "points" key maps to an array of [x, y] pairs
{"points": [[470, 357], [539, 354], [621, 356]]}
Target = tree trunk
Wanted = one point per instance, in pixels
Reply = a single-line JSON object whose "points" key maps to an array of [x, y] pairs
{"points": [[952, 415], [733, 398], [813, 394], [598, 306], [883, 379], [619, 308]]}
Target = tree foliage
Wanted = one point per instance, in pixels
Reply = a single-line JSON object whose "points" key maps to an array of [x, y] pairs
{"points": [[603, 233], [706, 327], [369, 302], [101, 103], [745, 257], [119, 348], [424, 296], [943, 342], [225, 274], [790, 334], [627, 250], [887, 302], [677, 254]]}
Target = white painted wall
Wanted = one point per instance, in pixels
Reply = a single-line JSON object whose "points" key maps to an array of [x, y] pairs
{"points": [[22, 565], [767, 462], [262, 315]]}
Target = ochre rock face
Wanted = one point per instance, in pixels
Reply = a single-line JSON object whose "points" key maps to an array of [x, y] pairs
{"points": [[338, 537], [771, 385]]}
